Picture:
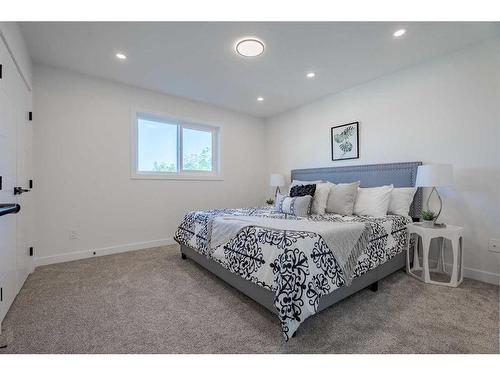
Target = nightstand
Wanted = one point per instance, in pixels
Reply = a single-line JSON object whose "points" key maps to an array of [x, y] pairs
{"points": [[425, 234]]}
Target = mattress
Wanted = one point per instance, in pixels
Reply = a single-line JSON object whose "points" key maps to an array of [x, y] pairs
{"points": [[297, 266]]}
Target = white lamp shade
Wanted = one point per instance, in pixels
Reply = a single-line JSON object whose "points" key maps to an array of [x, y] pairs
{"points": [[277, 180], [434, 175]]}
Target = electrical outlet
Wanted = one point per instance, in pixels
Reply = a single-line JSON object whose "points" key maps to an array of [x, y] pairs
{"points": [[73, 234], [494, 245]]}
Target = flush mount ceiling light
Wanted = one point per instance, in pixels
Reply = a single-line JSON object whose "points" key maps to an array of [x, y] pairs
{"points": [[311, 75], [249, 47], [260, 99], [399, 33], [121, 56]]}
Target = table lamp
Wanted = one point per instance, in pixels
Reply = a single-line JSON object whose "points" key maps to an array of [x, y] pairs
{"points": [[277, 180], [435, 175]]}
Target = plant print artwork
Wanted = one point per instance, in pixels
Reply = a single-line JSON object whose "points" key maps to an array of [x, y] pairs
{"points": [[345, 141]]}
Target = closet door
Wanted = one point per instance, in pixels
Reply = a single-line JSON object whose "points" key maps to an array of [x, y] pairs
{"points": [[8, 173], [16, 170]]}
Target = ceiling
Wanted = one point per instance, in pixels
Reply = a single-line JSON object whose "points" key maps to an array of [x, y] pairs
{"points": [[197, 60]]}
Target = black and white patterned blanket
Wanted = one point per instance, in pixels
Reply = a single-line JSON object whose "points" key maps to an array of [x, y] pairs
{"points": [[297, 266]]}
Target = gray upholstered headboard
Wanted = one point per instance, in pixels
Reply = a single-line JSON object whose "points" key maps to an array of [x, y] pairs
{"points": [[398, 174]]}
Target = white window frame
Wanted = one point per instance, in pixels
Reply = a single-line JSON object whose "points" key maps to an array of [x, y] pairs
{"points": [[215, 174]]}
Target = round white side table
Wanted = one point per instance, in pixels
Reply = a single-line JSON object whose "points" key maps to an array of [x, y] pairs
{"points": [[455, 235]]}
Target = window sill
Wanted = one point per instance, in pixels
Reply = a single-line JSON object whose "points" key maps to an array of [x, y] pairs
{"points": [[175, 176]]}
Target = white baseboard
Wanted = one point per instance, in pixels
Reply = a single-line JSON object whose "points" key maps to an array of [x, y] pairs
{"points": [[475, 274], [484, 276], [68, 257]]}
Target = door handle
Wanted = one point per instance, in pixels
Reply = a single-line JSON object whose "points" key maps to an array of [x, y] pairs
{"points": [[18, 190], [9, 208]]}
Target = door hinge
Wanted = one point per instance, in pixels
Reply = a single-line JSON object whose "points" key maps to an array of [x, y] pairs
{"points": [[30, 183], [1, 294], [30, 116], [32, 251], [0, 182], [1, 71]]}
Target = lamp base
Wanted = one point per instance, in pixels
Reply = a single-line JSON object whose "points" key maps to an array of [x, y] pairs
{"points": [[439, 225], [431, 225], [276, 192]]}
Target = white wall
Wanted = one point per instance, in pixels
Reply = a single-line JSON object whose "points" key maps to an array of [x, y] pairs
{"points": [[82, 148], [444, 111], [15, 41]]}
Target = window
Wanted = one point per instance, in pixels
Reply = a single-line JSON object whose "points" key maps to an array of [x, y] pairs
{"points": [[174, 149]]}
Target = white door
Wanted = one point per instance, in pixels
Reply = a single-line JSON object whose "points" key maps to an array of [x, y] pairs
{"points": [[8, 235], [16, 168]]}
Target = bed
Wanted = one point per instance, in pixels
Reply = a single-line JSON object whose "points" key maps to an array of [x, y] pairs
{"points": [[293, 273]]}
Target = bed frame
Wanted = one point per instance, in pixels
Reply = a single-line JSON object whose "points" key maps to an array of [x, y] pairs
{"points": [[398, 174]]}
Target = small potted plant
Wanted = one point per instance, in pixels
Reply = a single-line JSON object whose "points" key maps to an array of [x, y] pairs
{"points": [[270, 201], [428, 218]]}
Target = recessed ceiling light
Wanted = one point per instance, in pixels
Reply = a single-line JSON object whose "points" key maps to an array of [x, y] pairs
{"points": [[249, 47], [311, 75], [399, 33], [121, 56], [260, 99]]}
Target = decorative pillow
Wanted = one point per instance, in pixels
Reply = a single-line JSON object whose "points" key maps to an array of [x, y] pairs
{"points": [[298, 206], [373, 201], [301, 190], [300, 182], [342, 197], [320, 198], [401, 199]]}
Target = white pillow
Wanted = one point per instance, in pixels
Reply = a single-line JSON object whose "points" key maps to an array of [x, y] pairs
{"points": [[298, 206], [373, 201], [300, 182], [342, 197], [320, 198], [401, 199]]}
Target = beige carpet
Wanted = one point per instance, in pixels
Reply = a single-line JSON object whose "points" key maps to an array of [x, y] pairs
{"points": [[151, 301]]}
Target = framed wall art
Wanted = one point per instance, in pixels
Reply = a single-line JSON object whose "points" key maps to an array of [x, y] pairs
{"points": [[345, 141]]}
